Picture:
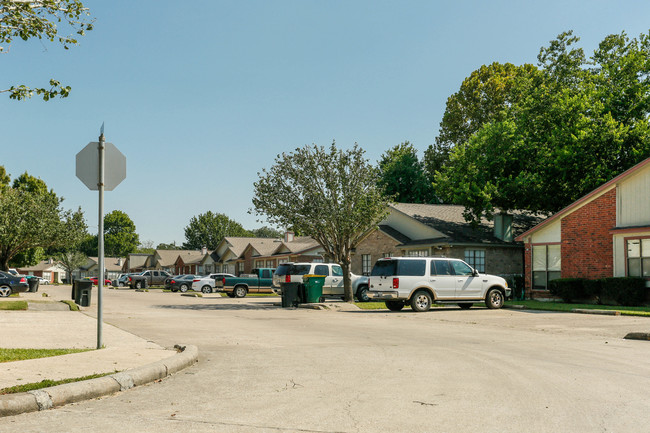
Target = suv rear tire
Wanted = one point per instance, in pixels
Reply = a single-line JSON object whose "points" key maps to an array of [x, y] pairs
{"points": [[421, 301]]}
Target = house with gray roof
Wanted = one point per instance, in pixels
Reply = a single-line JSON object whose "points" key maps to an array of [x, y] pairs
{"points": [[441, 230]]}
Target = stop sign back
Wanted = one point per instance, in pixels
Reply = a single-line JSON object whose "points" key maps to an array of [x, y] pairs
{"points": [[87, 166]]}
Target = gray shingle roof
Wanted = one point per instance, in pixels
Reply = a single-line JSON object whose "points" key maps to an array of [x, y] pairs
{"points": [[449, 220]]}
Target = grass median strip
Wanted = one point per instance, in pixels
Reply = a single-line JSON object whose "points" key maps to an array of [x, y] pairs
{"points": [[13, 305], [48, 383], [567, 308], [9, 355]]}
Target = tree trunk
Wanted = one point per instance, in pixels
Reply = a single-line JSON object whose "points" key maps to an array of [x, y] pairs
{"points": [[347, 282]]}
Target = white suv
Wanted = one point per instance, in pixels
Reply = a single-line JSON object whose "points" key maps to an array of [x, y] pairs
{"points": [[420, 281], [333, 287]]}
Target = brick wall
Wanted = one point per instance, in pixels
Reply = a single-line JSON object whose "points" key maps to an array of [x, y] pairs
{"points": [[587, 246], [375, 244]]}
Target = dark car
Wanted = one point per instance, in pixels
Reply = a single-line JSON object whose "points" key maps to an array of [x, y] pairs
{"points": [[11, 284], [182, 283]]}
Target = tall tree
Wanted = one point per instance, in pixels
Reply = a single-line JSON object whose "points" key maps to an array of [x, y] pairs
{"points": [[483, 97], [208, 229], [577, 124], [42, 19], [32, 219], [328, 194], [267, 232], [120, 238], [402, 175], [70, 261]]}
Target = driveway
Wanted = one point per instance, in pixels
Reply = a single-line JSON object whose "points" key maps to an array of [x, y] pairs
{"points": [[267, 369]]}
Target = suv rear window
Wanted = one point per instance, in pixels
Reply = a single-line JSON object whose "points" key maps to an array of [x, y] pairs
{"points": [[287, 269], [402, 268]]}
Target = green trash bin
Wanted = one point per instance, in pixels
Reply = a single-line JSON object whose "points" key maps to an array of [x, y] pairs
{"points": [[81, 290], [313, 288], [290, 294]]}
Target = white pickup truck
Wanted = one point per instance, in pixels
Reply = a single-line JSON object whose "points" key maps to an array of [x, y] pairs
{"points": [[333, 288]]}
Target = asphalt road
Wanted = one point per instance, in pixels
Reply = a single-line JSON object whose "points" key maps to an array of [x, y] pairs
{"points": [[267, 369]]}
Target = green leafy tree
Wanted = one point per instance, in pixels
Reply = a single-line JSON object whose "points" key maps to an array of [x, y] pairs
{"points": [[208, 229], [267, 232], [483, 97], [402, 175], [32, 219], [328, 194], [42, 19], [120, 238], [164, 246], [577, 124]]}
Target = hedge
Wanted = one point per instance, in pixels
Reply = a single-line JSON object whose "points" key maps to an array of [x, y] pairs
{"points": [[629, 291]]}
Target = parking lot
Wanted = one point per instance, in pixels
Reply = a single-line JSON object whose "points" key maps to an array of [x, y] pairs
{"points": [[267, 369]]}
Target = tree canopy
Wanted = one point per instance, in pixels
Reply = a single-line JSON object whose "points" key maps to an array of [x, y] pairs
{"points": [[328, 194], [402, 175], [33, 218], [567, 127], [208, 229], [120, 237], [42, 19]]}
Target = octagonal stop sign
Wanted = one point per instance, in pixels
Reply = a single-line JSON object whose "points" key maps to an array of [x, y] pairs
{"points": [[88, 166]]}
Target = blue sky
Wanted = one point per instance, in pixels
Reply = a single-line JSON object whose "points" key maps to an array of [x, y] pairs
{"points": [[202, 96]]}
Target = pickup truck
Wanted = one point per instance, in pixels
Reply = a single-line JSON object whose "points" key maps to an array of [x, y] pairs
{"points": [[148, 278], [259, 281]]}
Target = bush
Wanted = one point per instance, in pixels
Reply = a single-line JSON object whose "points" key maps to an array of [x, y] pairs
{"points": [[568, 289], [629, 291]]}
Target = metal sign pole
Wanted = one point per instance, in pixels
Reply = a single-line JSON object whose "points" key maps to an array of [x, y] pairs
{"points": [[100, 238]]}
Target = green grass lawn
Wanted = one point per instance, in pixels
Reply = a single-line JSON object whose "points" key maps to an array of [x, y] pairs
{"points": [[8, 355], [561, 306], [46, 384], [13, 305], [533, 305]]}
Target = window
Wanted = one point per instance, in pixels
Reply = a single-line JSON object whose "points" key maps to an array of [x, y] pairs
{"points": [[384, 255], [411, 268], [366, 265], [259, 263], [321, 270], [638, 257], [440, 267], [285, 260], [266, 273], [337, 271], [461, 268], [418, 253], [476, 259], [269, 264], [547, 264], [240, 268]]}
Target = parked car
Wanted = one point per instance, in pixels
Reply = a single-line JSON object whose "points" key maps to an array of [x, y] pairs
{"points": [[203, 284], [12, 284], [182, 284], [420, 281], [333, 287], [43, 281], [95, 281], [149, 278], [259, 281], [123, 279]]}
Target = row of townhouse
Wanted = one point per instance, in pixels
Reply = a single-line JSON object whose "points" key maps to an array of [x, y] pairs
{"points": [[52, 271]]}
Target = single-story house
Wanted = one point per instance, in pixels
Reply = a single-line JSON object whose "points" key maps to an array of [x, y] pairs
{"points": [[441, 230], [135, 262], [112, 267], [606, 233], [48, 269]]}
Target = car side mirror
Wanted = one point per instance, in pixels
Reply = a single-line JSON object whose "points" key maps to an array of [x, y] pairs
{"points": [[475, 273]]}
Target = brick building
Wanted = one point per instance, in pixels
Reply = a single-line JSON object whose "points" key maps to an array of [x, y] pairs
{"points": [[604, 234], [441, 230]]}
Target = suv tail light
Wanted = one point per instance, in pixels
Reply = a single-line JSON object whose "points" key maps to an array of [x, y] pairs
{"points": [[287, 278], [395, 283], [224, 281], [195, 281]]}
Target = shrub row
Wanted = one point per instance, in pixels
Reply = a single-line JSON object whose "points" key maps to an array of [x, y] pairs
{"points": [[629, 291]]}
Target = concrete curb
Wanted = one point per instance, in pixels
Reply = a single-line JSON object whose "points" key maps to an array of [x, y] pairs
{"points": [[46, 398], [638, 336]]}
